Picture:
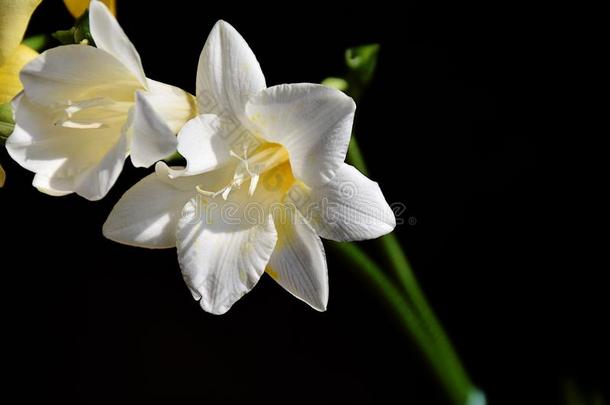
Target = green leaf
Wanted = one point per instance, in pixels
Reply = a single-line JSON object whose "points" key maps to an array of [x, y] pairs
{"points": [[362, 60], [37, 42], [65, 37], [79, 34], [82, 31], [336, 83], [7, 124]]}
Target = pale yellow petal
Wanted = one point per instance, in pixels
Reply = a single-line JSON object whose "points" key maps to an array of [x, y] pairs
{"points": [[14, 18], [78, 7], [2, 176], [10, 84]]}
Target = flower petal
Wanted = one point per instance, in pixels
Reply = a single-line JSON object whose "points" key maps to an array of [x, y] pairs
{"points": [[350, 207], [9, 73], [14, 18], [152, 139], [173, 104], [53, 187], [65, 158], [109, 36], [213, 180], [78, 7], [298, 262], [147, 214], [312, 122], [202, 143], [95, 183], [221, 260], [228, 74], [77, 72]]}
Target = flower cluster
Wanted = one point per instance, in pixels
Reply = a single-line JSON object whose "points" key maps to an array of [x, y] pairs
{"points": [[265, 175]]}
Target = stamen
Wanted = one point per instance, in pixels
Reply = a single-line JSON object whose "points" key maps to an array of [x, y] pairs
{"points": [[91, 113], [249, 168], [226, 192], [253, 183], [235, 155], [67, 123], [205, 193], [210, 194], [239, 177]]}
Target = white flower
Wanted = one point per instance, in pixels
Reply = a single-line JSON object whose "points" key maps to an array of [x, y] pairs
{"points": [[265, 178], [85, 109]]}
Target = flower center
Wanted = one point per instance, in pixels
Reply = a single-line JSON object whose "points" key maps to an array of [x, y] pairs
{"points": [[268, 165], [101, 112]]}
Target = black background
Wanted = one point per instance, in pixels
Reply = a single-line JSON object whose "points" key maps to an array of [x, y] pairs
{"points": [[450, 127]]}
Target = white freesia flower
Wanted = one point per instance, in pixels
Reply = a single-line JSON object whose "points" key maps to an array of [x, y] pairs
{"points": [[265, 178], [85, 109]]}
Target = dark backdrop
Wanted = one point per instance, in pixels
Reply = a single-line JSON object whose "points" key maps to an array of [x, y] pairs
{"points": [[449, 129]]}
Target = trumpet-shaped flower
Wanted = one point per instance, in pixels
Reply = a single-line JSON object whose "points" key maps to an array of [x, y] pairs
{"points": [[265, 178], [85, 109], [14, 18]]}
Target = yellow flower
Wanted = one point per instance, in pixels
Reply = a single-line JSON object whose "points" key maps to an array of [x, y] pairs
{"points": [[9, 73], [78, 7], [14, 18]]}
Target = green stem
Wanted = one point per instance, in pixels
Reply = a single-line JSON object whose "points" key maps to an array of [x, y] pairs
{"points": [[409, 282], [408, 318], [355, 157], [405, 275], [443, 357]]}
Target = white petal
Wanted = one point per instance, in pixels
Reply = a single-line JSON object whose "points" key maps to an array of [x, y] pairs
{"points": [[173, 104], [298, 262], [96, 181], [152, 139], [221, 261], [53, 187], [147, 214], [64, 157], [77, 72], [178, 178], [203, 144], [312, 122], [109, 36], [350, 207], [228, 74]]}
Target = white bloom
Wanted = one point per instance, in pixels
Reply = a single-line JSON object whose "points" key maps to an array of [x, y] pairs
{"points": [[265, 178], [85, 109]]}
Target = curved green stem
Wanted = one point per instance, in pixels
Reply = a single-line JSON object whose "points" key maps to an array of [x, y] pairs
{"points": [[410, 303], [354, 156], [457, 391], [409, 282], [400, 265]]}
